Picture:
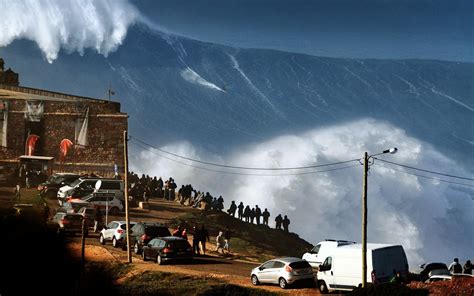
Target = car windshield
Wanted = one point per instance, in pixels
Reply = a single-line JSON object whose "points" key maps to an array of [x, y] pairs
{"points": [[73, 184], [124, 226], [300, 264]]}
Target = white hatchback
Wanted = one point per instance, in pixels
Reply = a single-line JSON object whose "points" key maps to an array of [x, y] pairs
{"points": [[115, 231]]}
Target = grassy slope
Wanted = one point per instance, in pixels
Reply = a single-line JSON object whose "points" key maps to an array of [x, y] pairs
{"points": [[256, 242]]}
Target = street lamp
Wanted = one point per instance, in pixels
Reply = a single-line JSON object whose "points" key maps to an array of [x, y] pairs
{"points": [[367, 158]]}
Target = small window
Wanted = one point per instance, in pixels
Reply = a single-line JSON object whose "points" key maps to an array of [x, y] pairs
{"points": [[300, 265], [269, 264], [278, 264], [327, 263], [315, 250]]}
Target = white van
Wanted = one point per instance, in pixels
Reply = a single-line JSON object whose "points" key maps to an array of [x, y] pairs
{"points": [[108, 185], [316, 256], [342, 268], [106, 201]]}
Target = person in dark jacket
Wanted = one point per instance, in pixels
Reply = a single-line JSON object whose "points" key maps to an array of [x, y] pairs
{"points": [[241, 211], [232, 209], [455, 267], [467, 268], [266, 215], [286, 223], [258, 213], [203, 236], [98, 219], [278, 221], [247, 213]]}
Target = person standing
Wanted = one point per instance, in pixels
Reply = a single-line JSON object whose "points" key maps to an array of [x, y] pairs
{"points": [[241, 211], [278, 221], [247, 214], [203, 236], [286, 223], [467, 268], [98, 219], [258, 213], [232, 209], [455, 267], [196, 235], [266, 215]]}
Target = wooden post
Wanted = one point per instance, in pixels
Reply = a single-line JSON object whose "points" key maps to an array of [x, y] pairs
{"points": [[364, 222], [127, 218]]}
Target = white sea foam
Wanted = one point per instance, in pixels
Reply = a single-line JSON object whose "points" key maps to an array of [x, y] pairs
{"points": [[191, 76], [73, 25], [431, 219]]}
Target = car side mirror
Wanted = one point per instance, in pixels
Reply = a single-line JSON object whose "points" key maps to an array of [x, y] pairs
{"points": [[261, 268]]}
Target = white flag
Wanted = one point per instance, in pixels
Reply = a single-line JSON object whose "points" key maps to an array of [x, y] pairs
{"points": [[81, 130]]}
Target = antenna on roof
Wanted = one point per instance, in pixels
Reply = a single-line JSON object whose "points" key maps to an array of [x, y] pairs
{"points": [[110, 91]]}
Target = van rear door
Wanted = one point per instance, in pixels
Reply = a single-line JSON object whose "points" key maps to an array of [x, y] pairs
{"points": [[387, 261]]}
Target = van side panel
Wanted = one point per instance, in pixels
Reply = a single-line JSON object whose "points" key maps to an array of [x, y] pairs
{"points": [[347, 270], [386, 261]]}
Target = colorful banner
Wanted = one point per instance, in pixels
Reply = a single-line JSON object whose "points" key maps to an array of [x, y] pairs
{"points": [[31, 144], [64, 147]]}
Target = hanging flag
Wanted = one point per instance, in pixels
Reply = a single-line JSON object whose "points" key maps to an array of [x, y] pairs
{"points": [[3, 123], [34, 111], [30, 144], [81, 130], [64, 147]]}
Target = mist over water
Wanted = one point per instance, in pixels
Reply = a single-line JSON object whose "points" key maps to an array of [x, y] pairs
{"points": [[431, 219], [72, 25]]}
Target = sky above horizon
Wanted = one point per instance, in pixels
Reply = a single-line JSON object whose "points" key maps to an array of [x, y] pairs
{"points": [[424, 29]]}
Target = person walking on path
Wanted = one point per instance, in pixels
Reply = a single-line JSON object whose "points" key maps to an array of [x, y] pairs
{"points": [[241, 211], [266, 215], [227, 236], [467, 268], [286, 223], [203, 236], [455, 267], [278, 221], [220, 242]]}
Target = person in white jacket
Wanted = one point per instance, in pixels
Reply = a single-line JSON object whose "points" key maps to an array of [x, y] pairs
{"points": [[220, 242]]}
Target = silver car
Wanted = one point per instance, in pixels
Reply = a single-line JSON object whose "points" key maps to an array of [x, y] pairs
{"points": [[282, 271]]}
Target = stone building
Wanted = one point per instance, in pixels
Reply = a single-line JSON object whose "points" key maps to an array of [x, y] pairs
{"points": [[63, 132]]}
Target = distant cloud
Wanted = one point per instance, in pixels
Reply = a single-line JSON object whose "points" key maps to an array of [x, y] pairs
{"points": [[73, 25]]}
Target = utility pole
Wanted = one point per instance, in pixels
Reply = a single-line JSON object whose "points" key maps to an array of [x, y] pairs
{"points": [[364, 222], [127, 218]]}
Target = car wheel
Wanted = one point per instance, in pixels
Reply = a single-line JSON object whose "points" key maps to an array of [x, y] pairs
{"points": [[322, 287], [143, 256], [114, 211], [159, 260], [255, 281], [115, 242], [136, 248], [282, 283], [101, 240]]}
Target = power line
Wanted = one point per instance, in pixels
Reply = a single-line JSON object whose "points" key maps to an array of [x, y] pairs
{"points": [[426, 177], [242, 167], [246, 174], [426, 171]]}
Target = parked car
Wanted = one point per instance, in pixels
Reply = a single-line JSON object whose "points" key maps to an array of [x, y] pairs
{"points": [[68, 223], [115, 231], [316, 256], [51, 186], [167, 248], [143, 232], [342, 268], [108, 185], [433, 268], [106, 201], [282, 271]]}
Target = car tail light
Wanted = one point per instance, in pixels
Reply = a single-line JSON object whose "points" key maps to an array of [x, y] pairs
{"points": [[120, 231], [374, 277], [167, 250], [288, 268], [144, 238], [64, 221]]}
